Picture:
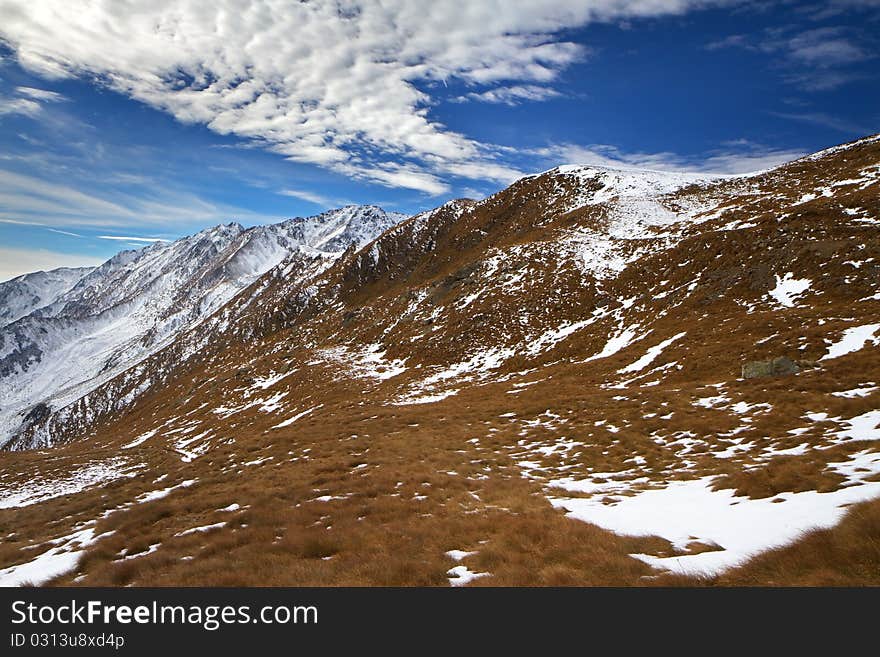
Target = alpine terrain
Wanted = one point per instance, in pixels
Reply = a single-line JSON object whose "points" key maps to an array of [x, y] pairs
{"points": [[69, 331], [592, 377]]}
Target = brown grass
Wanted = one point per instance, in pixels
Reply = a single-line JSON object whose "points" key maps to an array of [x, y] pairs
{"points": [[845, 555], [426, 487]]}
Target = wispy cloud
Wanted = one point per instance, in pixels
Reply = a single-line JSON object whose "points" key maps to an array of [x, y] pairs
{"points": [[746, 157], [513, 95], [19, 192], [827, 121], [309, 197], [20, 223], [605, 155], [818, 11], [825, 47], [15, 262], [816, 59], [30, 199], [124, 238], [41, 94], [731, 158], [27, 101], [22, 106], [63, 232]]}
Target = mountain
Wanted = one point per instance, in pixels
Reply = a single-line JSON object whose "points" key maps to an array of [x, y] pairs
{"points": [[75, 339], [22, 295], [594, 376]]}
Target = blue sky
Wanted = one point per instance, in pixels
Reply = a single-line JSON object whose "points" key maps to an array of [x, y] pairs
{"points": [[122, 122]]}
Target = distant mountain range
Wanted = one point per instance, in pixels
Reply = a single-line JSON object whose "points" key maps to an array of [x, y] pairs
{"points": [[24, 294], [70, 330]]}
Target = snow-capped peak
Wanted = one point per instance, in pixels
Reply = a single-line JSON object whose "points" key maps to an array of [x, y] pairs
{"points": [[22, 295], [630, 183], [91, 326]]}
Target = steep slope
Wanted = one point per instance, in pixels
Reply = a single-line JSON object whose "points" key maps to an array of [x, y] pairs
{"points": [[138, 301], [544, 387], [24, 294]]}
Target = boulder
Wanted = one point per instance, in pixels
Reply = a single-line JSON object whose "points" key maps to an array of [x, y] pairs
{"points": [[775, 367]]}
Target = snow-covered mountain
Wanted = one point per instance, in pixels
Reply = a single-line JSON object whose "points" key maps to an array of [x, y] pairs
{"points": [[84, 327], [22, 295], [594, 376]]}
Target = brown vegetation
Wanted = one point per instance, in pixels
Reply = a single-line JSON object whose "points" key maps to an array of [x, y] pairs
{"points": [[367, 487]]}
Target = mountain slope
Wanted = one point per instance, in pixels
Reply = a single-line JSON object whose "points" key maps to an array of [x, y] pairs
{"points": [[24, 294], [138, 301], [545, 388]]}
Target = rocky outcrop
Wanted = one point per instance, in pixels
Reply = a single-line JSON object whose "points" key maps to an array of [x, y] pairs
{"points": [[781, 366]]}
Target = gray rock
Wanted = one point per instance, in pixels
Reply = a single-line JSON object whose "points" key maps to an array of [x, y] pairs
{"points": [[776, 367]]}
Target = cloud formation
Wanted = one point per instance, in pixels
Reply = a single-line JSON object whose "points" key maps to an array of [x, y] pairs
{"points": [[15, 262], [513, 95], [27, 101], [40, 94], [343, 85], [23, 106], [816, 59], [735, 157], [29, 200], [122, 238], [309, 197]]}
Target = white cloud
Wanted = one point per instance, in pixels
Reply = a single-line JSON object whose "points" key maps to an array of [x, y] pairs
{"points": [[327, 83], [20, 223], [122, 238], [736, 157], [410, 176], [23, 106], [748, 161], [833, 8], [30, 200], [604, 155], [15, 262], [814, 59], [41, 94], [513, 95], [309, 197], [27, 101], [63, 232], [19, 192], [826, 121], [824, 47]]}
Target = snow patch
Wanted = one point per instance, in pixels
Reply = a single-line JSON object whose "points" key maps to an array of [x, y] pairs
{"points": [[36, 491], [788, 289], [141, 439], [296, 417], [58, 560], [201, 529], [651, 354], [853, 339], [461, 575], [685, 511], [617, 342]]}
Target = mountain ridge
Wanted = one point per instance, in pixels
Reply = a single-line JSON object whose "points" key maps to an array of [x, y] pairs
{"points": [[22, 295], [548, 381], [145, 296]]}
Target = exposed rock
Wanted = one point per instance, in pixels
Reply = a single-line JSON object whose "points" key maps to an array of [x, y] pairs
{"points": [[37, 414], [774, 367]]}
